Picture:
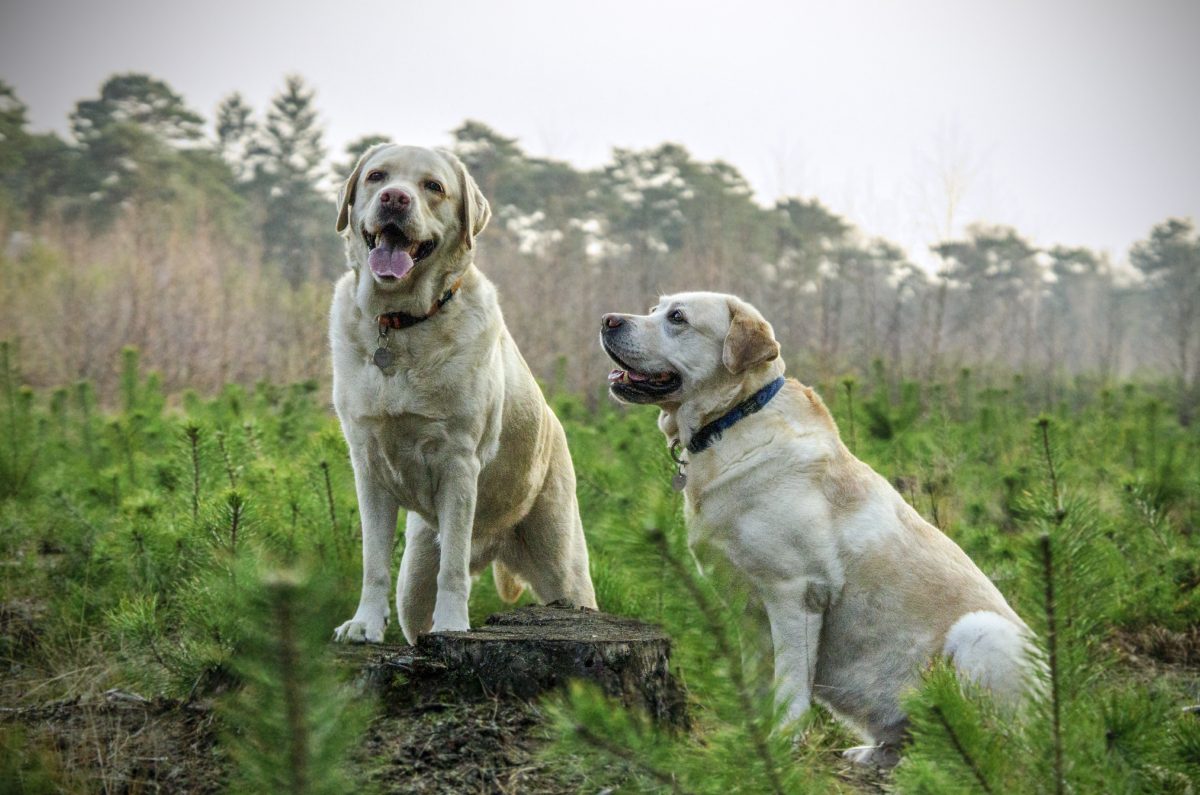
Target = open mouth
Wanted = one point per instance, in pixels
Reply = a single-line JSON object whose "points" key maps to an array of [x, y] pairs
{"points": [[638, 387], [392, 254]]}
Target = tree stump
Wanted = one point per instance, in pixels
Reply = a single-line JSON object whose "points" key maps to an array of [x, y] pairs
{"points": [[529, 651]]}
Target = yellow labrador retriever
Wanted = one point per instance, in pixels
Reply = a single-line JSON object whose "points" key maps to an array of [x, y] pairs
{"points": [[440, 412], [860, 591]]}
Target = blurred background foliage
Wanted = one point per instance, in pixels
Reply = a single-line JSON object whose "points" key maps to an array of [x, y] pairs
{"points": [[208, 244]]}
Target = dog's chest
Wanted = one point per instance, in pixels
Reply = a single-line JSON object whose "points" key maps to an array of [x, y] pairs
{"points": [[756, 506], [365, 391], [399, 429], [401, 453]]}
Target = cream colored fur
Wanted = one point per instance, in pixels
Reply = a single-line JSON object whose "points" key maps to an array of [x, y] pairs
{"points": [[457, 432], [861, 593]]}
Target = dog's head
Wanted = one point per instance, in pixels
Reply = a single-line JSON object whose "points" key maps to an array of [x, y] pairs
{"points": [[689, 344], [405, 208]]}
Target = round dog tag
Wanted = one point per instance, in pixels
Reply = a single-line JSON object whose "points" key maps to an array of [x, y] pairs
{"points": [[383, 358], [679, 481]]}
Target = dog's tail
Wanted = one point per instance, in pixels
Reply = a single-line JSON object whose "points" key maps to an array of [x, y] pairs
{"points": [[994, 652], [508, 585]]}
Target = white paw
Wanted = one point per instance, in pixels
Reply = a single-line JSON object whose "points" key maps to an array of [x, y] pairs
{"points": [[873, 755], [451, 620], [859, 754], [361, 630]]}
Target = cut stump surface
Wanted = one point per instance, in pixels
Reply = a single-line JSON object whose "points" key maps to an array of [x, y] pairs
{"points": [[529, 651]]}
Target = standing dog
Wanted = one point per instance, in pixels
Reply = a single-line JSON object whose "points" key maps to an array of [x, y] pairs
{"points": [[440, 412], [860, 591]]}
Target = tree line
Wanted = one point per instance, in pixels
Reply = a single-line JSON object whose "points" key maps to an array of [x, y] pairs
{"points": [[143, 180]]}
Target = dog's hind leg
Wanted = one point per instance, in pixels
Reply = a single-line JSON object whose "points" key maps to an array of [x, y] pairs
{"points": [[416, 588], [548, 550]]}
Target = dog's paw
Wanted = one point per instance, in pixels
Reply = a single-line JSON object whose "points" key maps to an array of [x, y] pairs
{"points": [[450, 612], [358, 630], [451, 620], [452, 625], [873, 755]]}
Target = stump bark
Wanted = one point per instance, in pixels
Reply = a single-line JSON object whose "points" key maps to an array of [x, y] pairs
{"points": [[529, 651]]}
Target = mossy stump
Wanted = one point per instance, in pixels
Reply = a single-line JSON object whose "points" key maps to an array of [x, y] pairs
{"points": [[526, 652]]}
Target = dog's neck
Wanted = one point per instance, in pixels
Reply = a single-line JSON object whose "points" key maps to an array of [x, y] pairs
{"points": [[679, 422]]}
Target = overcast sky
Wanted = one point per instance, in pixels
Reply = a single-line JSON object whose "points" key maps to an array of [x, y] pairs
{"points": [[1077, 122]]}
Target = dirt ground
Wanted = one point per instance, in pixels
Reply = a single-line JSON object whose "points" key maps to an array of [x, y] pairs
{"points": [[461, 748], [427, 742], [123, 744]]}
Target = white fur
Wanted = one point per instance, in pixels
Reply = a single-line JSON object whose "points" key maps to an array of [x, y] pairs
{"points": [[992, 651]]}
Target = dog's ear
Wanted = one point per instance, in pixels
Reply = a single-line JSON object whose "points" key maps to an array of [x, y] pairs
{"points": [[473, 209], [750, 341], [350, 189]]}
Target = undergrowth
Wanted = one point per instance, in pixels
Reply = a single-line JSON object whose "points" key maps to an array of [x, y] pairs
{"points": [[154, 546]]}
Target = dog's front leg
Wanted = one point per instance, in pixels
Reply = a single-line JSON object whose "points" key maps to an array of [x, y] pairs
{"points": [[456, 495], [795, 609], [378, 510]]}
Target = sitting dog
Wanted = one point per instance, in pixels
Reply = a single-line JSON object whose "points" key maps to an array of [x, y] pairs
{"points": [[860, 591], [441, 414]]}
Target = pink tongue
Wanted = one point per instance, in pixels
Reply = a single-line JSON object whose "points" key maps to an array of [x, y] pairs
{"points": [[386, 261]]}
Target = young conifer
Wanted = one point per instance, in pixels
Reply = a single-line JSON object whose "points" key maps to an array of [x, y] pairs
{"points": [[1081, 730], [292, 723], [742, 747]]}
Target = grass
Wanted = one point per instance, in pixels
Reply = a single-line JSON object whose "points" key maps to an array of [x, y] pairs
{"points": [[134, 537]]}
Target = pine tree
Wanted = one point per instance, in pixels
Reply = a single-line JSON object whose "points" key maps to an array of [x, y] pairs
{"points": [[12, 130], [141, 101], [1170, 259], [296, 233], [237, 138], [743, 748], [1080, 731], [129, 138], [292, 723], [291, 136]]}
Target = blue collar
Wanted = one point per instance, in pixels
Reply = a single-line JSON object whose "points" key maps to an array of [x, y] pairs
{"points": [[702, 439]]}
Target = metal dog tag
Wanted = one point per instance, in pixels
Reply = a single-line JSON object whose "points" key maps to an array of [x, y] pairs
{"points": [[679, 481], [383, 358]]}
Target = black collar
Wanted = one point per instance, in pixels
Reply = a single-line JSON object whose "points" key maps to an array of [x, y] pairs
{"points": [[702, 439]]}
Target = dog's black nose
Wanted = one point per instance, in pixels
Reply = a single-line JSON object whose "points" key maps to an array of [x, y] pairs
{"points": [[611, 321], [395, 198]]}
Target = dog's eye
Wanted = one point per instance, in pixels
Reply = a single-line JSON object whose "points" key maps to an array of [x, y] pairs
{"points": [[434, 186], [677, 317], [375, 176]]}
